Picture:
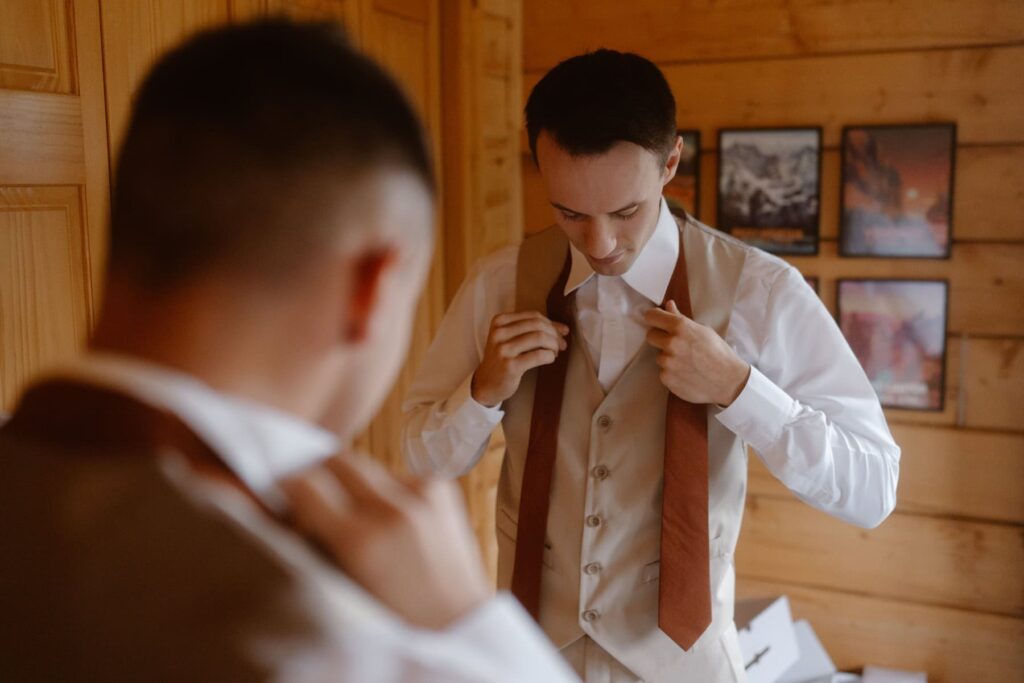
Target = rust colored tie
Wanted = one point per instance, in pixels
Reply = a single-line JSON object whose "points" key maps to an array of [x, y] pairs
{"points": [[684, 594], [684, 591], [535, 497]]}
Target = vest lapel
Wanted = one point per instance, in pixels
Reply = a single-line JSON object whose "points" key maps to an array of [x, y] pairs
{"points": [[85, 416]]}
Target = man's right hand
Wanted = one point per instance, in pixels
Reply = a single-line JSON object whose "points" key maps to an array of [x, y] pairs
{"points": [[516, 343], [406, 541]]}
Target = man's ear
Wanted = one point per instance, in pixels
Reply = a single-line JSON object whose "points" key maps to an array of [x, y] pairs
{"points": [[367, 282], [672, 163]]}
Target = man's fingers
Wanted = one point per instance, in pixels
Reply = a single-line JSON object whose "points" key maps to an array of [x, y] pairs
{"points": [[672, 308], [659, 339], [367, 482], [661, 319], [530, 341], [319, 505], [533, 359], [503, 319], [519, 328]]}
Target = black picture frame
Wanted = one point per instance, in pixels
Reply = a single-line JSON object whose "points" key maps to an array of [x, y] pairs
{"points": [[880, 370], [868, 225], [779, 215], [682, 192], [814, 282]]}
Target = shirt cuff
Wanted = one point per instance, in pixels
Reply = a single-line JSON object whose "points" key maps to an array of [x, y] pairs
{"points": [[467, 408], [760, 412], [503, 630]]}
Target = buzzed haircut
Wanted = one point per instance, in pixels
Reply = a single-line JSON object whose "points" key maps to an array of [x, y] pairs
{"points": [[232, 136], [590, 102]]}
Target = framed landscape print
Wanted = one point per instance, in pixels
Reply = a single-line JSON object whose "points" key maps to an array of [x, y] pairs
{"points": [[768, 187], [683, 192], [897, 190], [897, 330]]}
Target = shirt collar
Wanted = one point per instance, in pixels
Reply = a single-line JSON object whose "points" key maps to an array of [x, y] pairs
{"points": [[651, 271], [260, 444]]}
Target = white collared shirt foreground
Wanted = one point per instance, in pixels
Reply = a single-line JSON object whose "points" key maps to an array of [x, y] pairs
{"points": [[363, 641], [808, 409]]}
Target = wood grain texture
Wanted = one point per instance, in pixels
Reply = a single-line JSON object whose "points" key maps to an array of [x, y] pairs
{"points": [[945, 562], [36, 46], [945, 472], [951, 645], [41, 139], [44, 299], [986, 282], [703, 30], [92, 100], [979, 88]]}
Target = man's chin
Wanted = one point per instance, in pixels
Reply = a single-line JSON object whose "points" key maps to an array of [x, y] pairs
{"points": [[614, 268]]}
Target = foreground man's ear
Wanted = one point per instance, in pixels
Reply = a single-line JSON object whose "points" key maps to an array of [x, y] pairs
{"points": [[370, 270]]}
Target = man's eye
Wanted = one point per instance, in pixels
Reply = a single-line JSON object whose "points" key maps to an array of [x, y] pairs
{"points": [[626, 215], [572, 216]]}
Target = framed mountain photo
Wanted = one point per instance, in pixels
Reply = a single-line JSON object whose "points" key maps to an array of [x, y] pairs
{"points": [[769, 182]]}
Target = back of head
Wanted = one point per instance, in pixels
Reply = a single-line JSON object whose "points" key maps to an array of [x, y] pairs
{"points": [[236, 139], [590, 102]]}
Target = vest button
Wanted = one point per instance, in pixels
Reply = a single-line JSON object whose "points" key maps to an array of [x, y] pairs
{"points": [[590, 616], [592, 568], [601, 472], [593, 520], [604, 422]]}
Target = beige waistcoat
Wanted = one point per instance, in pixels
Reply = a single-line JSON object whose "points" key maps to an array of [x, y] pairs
{"points": [[600, 574]]}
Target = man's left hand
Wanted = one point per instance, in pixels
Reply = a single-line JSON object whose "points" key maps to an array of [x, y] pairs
{"points": [[696, 364]]}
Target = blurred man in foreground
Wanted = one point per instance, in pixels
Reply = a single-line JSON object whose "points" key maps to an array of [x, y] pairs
{"points": [[270, 232]]}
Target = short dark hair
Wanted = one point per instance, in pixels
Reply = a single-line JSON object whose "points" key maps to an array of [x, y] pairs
{"points": [[592, 101], [228, 135]]}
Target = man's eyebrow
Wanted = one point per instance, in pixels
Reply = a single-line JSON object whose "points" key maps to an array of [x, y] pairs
{"points": [[627, 207]]}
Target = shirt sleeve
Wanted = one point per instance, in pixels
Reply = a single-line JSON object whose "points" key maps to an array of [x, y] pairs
{"points": [[810, 412], [444, 430]]}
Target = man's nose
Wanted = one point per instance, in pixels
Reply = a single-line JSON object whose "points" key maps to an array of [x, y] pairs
{"points": [[600, 239]]}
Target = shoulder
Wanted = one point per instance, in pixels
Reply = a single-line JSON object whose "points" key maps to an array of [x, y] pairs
{"points": [[759, 265]]}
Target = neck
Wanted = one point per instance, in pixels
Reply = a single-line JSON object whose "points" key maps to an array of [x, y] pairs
{"points": [[234, 348]]}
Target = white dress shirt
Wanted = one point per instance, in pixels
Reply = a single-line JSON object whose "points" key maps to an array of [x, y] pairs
{"points": [[807, 409], [365, 642]]}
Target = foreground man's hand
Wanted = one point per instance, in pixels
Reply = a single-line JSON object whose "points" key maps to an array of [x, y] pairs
{"points": [[517, 342], [407, 542], [696, 364]]}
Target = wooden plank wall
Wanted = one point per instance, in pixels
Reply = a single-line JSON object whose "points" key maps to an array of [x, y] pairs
{"points": [[940, 585]]}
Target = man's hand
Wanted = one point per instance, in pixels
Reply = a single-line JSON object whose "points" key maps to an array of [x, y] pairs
{"points": [[407, 542], [696, 364], [516, 343]]}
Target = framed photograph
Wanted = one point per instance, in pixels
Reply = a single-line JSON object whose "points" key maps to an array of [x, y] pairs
{"points": [[897, 190], [769, 182], [897, 329], [683, 192], [813, 282]]}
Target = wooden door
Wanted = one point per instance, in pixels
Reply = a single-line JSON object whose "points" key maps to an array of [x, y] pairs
{"points": [[54, 183]]}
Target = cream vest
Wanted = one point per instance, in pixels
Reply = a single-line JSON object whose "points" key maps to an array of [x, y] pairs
{"points": [[600, 574]]}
